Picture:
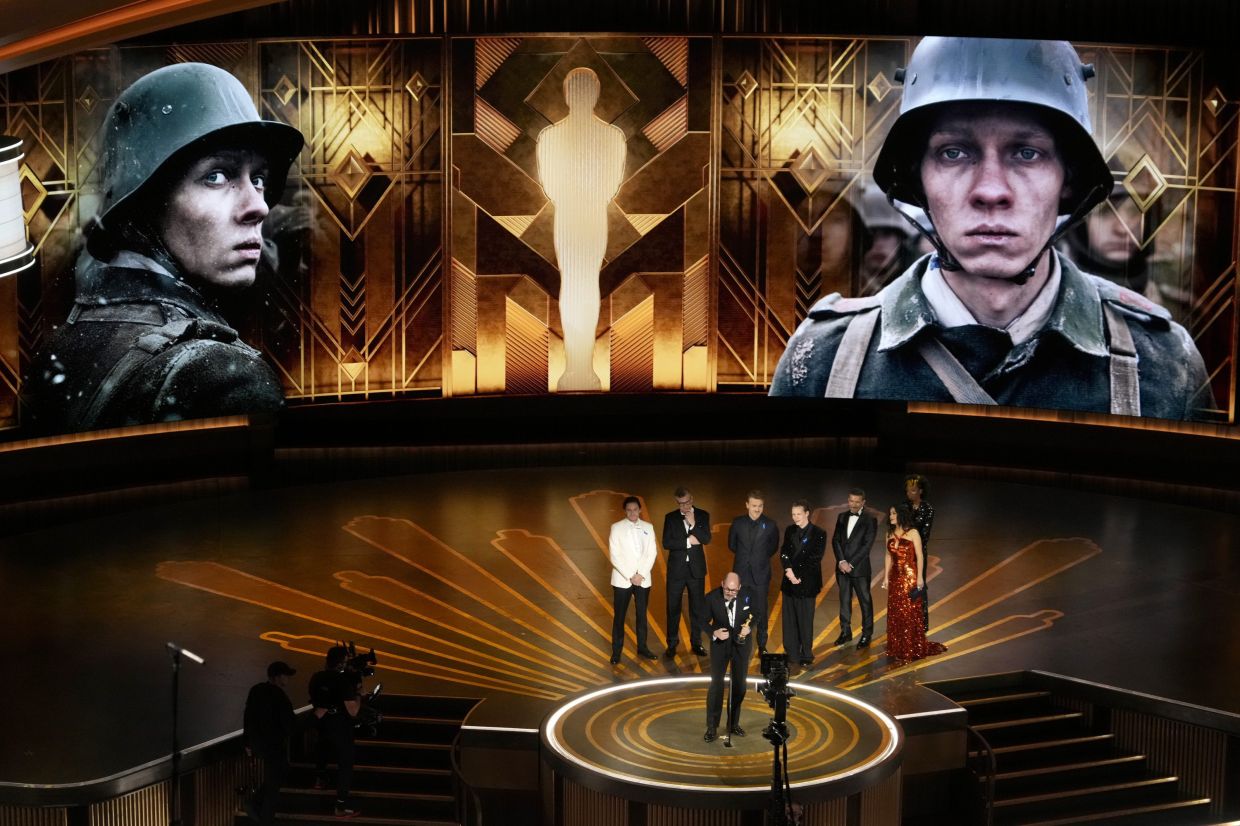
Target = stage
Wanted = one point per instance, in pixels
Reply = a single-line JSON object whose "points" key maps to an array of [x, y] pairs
{"points": [[494, 585]]}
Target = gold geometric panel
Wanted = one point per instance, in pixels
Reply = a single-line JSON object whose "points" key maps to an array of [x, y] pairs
{"points": [[285, 89], [615, 96], [746, 84], [670, 126], [632, 350], [490, 52], [495, 130], [673, 52], [27, 177], [526, 347], [416, 86], [810, 169], [516, 224], [351, 173], [880, 86], [1144, 182], [1215, 101], [644, 223]]}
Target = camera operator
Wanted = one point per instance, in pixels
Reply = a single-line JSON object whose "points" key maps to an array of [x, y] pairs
{"points": [[335, 695]]}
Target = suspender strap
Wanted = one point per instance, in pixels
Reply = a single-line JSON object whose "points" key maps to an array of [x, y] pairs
{"points": [[959, 382], [846, 369], [1125, 380]]}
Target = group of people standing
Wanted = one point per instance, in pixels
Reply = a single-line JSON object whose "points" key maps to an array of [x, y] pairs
{"points": [[736, 612]]}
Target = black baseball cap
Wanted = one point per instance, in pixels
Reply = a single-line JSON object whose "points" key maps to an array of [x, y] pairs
{"points": [[278, 668]]}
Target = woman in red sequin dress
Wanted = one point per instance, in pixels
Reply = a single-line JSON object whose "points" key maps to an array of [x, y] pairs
{"points": [[906, 633]]}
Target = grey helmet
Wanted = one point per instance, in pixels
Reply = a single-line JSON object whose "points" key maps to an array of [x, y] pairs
{"points": [[1043, 73], [179, 108]]}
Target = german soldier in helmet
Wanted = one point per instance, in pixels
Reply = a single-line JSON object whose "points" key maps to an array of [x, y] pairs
{"points": [[993, 144], [189, 173]]}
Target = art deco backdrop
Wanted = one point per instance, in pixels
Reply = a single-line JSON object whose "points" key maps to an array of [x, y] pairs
{"points": [[743, 161]]}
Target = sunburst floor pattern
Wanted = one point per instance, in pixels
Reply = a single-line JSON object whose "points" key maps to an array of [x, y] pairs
{"points": [[535, 620]]}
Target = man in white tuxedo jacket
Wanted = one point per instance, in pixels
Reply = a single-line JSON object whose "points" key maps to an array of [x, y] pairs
{"points": [[632, 550]]}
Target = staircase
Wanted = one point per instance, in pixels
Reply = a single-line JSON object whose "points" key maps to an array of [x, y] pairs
{"points": [[1053, 767], [402, 776]]}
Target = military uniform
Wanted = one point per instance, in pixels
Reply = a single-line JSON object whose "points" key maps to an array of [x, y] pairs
{"points": [[1103, 348], [143, 346]]}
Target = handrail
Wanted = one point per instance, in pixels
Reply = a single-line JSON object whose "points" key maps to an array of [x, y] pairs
{"points": [[95, 790], [988, 798]]}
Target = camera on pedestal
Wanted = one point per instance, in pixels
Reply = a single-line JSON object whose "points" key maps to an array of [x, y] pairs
{"points": [[777, 693]]}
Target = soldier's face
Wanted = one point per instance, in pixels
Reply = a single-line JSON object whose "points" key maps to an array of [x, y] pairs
{"points": [[1109, 238], [993, 179], [213, 223]]}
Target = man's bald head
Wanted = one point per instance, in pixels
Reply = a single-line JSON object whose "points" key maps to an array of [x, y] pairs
{"points": [[732, 583]]}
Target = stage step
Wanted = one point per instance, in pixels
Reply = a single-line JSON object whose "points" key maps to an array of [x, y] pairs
{"points": [[1177, 812], [1052, 766], [401, 777]]}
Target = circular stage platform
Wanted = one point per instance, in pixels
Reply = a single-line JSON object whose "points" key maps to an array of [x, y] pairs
{"points": [[642, 741]]}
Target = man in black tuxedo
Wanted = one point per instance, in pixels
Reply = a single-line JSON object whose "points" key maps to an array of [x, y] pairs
{"points": [[754, 538], [686, 533], [727, 618], [854, 534]]}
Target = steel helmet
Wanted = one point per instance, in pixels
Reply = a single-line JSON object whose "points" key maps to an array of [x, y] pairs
{"points": [[878, 213], [1043, 73], [179, 108]]}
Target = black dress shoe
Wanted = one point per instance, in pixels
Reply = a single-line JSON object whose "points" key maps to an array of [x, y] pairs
{"points": [[864, 642], [647, 653], [699, 650], [670, 652], [842, 638], [709, 736], [738, 731], [615, 659], [806, 662]]}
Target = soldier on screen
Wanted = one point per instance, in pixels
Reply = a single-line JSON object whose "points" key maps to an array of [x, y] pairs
{"points": [[189, 173], [993, 144]]}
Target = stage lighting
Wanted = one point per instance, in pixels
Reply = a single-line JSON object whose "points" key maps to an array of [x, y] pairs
{"points": [[16, 252]]}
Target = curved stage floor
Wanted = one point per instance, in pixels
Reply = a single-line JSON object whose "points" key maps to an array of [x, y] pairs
{"points": [[494, 585], [644, 737]]}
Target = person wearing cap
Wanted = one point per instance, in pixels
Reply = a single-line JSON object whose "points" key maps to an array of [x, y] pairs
{"points": [[993, 145], [269, 723], [189, 173]]}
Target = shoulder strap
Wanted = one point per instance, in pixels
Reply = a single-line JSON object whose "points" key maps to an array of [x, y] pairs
{"points": [[959, 382], [846, 368], [144, 348], [1125, 380]]}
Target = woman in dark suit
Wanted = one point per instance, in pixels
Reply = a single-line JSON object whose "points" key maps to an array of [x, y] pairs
{"points": [[801, 558]]}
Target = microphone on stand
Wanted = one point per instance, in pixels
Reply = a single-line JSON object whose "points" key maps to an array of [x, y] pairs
{"points": [[176, 649]]}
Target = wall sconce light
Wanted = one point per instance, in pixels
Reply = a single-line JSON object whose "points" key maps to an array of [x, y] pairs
{"points": [[16, 252]]}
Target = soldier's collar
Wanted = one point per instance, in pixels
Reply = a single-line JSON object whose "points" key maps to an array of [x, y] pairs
{"points": [[1077, 315], [905, 311]]}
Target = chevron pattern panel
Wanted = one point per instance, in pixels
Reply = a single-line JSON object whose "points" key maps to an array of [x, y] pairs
{"points": [[657, 92]]}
